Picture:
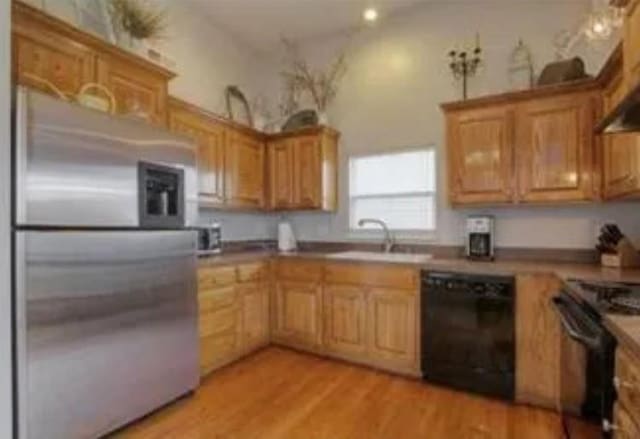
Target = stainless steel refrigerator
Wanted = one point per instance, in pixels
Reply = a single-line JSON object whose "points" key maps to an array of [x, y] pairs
{"points": [[105, 268]]}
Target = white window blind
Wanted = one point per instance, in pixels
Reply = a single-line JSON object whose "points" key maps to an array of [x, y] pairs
{"points": [[398, 188]]}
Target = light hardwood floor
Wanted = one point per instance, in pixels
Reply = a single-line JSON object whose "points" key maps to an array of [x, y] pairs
{"points": [[281, 394]]}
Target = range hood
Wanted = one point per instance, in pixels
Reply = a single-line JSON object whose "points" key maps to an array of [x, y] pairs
{"points": [[625, 117]]}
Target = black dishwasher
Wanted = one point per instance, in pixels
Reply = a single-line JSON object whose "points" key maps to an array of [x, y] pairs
{"points": [[468, 335]]}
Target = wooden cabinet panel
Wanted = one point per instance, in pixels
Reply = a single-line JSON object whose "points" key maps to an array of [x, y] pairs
{"points": [[210, 277], [555, 145], [631, 42], [252, 272], [299, 269], [298, 312], [307, 189], [210, 300], [255, 314], [538, 337], [392, 328], [397, 277], [345, 320], [480, 145], [627, 382], [244, 164], [137, 90], [38, 52], [303, 170], [281, 178], [624, 425], [209, 137]]}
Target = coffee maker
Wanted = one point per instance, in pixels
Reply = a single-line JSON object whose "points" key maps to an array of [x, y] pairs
{"points": [[480, 237]]}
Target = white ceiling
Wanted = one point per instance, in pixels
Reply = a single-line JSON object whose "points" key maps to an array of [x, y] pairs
{"points": [[261, 23]]}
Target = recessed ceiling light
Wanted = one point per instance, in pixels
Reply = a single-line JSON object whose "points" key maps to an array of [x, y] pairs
{"points": [[370, 15]]}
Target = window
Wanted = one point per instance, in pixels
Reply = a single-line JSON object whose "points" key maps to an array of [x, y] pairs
{"points": [[398, 188]]}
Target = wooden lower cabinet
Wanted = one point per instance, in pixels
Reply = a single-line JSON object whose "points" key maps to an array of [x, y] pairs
{"points": [[365, 313], [392, 328], [538, 339], [345, 320], [624, 425], [255, 314], [298, 313], [220, 327], [233, 310]]}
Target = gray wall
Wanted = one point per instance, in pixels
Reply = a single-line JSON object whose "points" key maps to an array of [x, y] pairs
{"points": [[5, 286]]}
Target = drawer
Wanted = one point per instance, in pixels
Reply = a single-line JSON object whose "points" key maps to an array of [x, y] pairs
{"points": [[298, 269], [219, 322], [209, 277], [252, 272], [372, 274], [625, 427], [627, 382], [216, 298]]}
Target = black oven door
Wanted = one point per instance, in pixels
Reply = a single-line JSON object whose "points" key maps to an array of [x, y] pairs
{"points": [[586, 366]]}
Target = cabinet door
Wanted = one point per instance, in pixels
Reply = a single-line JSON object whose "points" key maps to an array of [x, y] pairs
{"points": [[625, 426], [307, 188], [391, 328], [631, 42], [255, 314], [39, 53], [209, 138], [480, 148], [244, 164], [555, 159], [220, 327], [345, 320], [538, 338], [298, 313], [137, 91], [281, 180]]}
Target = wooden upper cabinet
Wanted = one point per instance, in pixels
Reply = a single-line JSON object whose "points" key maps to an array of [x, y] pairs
{"points": [[307, 172], [209, 137], [244, 167], [281, 179], [41, 52], [555, 149], [621, 151], [137, 90], [303, 170], [534, 146], [631, 42], [480, 155], [48, 48]]}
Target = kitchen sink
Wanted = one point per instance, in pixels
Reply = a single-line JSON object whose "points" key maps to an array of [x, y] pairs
{"points": [[409, 258]]}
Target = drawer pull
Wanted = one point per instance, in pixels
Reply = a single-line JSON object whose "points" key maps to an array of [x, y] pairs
{"points": [[608, 426], [621, 384]]}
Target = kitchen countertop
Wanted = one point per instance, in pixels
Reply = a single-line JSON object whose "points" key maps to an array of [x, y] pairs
{"points": [[625, 328]]}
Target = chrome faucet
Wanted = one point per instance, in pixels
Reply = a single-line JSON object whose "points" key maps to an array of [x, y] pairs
{"points": [[388, 239]]}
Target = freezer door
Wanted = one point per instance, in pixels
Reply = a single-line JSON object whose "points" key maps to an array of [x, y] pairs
{"points": [[79, 168], [106, 328]]}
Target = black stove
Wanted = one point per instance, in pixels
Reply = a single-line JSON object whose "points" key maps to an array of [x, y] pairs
{"points": [[608, 297]]}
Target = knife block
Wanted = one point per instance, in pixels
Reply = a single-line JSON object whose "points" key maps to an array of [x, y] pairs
{"points": [[626, 256]]}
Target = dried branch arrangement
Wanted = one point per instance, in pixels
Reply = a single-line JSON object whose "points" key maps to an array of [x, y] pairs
{"points": [[138, 18], [321, 85]]}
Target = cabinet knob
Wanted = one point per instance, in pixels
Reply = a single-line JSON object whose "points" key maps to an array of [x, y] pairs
{"points": [[608, 426], [620, 383]]}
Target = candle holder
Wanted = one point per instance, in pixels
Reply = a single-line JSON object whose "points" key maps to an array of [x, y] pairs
{"points": [[464, 64]]}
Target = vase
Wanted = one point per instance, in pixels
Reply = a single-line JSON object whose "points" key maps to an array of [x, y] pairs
{"points": [[323, 118]]}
